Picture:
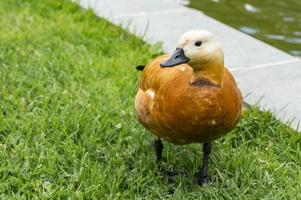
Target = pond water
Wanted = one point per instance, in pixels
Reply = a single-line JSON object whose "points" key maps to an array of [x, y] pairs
{"points": [[276, 22]]}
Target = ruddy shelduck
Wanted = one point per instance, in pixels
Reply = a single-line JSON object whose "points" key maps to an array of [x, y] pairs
{"points": [[190, 96]]}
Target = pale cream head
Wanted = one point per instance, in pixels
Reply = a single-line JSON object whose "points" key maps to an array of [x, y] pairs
{"points": [[202, 49]]}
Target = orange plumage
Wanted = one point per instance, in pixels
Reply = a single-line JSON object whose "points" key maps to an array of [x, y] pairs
{"points": [[173, 109]]}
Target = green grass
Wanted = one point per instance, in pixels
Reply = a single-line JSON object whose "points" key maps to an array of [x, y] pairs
{"points": [[68, 128]]}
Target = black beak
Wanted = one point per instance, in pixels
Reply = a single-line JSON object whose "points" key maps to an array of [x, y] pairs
{"points": [[177, 58]]}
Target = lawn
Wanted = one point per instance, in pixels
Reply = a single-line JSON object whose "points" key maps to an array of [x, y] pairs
{"points": [[68, 128]]}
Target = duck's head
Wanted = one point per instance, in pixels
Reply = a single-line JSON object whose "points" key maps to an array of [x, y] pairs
{"points": [[199, 49]]}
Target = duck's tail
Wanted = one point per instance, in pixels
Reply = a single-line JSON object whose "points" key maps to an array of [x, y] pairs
{"points": [[140, 67]]}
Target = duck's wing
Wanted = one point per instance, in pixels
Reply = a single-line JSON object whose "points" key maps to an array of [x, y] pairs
{"points": [[152, 74]]}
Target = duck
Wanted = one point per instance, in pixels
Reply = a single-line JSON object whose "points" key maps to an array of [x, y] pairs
{"points": [[189, 96]]}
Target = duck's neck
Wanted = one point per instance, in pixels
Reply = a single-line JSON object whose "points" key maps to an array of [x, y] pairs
{"points": [[213, 73]]}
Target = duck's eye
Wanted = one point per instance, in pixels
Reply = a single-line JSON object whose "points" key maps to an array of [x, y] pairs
{"points": [[198, 43]]}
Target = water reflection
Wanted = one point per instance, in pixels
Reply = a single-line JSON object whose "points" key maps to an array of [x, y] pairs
{"points": [[249, 30], [275, 22], [251, 8]]}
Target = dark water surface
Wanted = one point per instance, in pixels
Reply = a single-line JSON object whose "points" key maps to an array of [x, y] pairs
{"points": [[276, 22]]}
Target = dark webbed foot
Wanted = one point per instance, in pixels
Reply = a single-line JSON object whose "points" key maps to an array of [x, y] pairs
{"points": [[202, 180], [203, 173]]}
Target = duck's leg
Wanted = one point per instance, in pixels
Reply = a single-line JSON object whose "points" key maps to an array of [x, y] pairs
{"points": [[203, 173], [158, 147], [169, 174]]}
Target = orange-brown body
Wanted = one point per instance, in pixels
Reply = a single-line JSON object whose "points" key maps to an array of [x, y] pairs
{"points": [[173, 109]]}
